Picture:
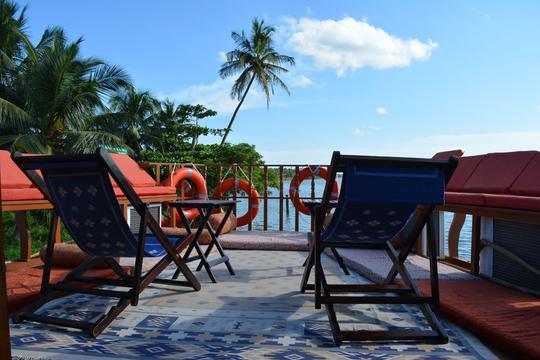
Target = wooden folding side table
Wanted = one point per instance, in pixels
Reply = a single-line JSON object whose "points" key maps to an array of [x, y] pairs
{"points": [[205, 208]]}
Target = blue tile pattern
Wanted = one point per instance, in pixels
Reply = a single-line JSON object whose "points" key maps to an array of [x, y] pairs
{"points": [[256, 314]]}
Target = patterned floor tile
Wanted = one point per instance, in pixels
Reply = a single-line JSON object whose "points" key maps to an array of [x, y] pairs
{"points": [[256, 314]]}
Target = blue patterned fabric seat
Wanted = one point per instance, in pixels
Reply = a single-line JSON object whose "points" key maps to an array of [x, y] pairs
{"points": [[79, 188], [384, 204]]}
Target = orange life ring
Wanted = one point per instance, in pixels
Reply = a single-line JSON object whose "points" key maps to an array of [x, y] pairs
{"points": [[193, 186], [228, 184], [306, 172]]}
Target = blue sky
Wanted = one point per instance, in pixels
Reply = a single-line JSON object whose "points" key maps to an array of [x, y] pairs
{"points": [[403, 78]]}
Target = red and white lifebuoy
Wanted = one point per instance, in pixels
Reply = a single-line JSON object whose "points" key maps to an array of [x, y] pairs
{"points": [[193, 186], [303, 174], [229, 184]]}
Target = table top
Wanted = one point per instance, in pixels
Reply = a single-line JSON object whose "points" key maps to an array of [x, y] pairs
{"points": [[202, 203]]}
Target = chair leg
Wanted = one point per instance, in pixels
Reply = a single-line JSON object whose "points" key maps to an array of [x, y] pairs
{"points": [[339, 259], [307, 270]]}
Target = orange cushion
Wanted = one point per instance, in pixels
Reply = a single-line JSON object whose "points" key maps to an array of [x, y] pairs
{"points": [[204, 239], [505, 318], [230, 224], [21, 194], [496, 173], [23, 285], [136, 175], [67, 255], [12, 176], [148, 191], [528, 183]]}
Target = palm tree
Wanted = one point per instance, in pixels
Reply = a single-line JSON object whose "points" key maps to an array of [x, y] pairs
{"points": [[54, 97], [13, 40], [256, 60], [132, 111]]}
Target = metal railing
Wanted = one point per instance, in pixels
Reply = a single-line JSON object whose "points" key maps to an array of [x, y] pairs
{"points": [[280, 174]]}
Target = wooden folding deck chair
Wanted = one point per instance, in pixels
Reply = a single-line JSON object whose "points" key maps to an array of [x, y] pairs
{"points": [[384, 204], [82, 195]]}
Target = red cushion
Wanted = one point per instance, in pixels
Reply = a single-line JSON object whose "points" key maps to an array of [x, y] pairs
{"points": [[513, 202], [528, 183], [12, 176], [464, 199], [505, 318], [148, 191], [23, 285], [497, 172], [136, 175], [445, 155], [463, 171], [21, 194]]}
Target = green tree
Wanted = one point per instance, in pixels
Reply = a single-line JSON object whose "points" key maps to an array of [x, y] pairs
{"points": [[131, 111], [14, 43], [54, 96], [256, 60], [173, 126]]}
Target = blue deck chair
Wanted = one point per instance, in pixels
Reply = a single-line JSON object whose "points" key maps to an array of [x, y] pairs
{"points": [[80, 190], [384, 204]]}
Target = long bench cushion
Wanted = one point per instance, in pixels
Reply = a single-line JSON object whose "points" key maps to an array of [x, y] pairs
{"points": [[496, 173], [21, 194], [465, 168], [464, 198], [148, 191], [136, 175], [12, 176], [513, 202], [528, 183], [505, 318]]}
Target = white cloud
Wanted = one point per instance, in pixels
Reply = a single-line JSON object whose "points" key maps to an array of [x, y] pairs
{"points": [[381, 111], [471, 144], [222, 55], [358, 132], [427, 146], [216, 96], [301, 81], [348, 44]]}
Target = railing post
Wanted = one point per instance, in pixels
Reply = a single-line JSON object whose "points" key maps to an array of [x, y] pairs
{"points": [[158, 173], [475, 244], [5, 341], [250, 201], [265, 215], [235, 188], [25, 238], [296, 212], [281, 198]]}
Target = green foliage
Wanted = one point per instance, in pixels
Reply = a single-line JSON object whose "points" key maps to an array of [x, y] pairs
{"points": [[38, 222], [218, 154]]}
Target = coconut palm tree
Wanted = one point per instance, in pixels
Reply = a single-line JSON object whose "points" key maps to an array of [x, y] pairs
{"points": [[54, 97], [257, 61], [13, 40]]}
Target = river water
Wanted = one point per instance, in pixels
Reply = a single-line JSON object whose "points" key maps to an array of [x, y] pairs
{"points": [[305, 221]]}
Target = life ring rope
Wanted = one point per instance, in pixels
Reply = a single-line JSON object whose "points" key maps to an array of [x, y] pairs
{"points": [[247, 187], [298, 178]]}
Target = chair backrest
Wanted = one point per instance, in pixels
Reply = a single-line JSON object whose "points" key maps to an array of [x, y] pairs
{"points": [[380, 196], [81, 192]]}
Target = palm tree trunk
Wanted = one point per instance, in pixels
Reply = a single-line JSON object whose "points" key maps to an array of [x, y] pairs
{"points": [[236, 111]]}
